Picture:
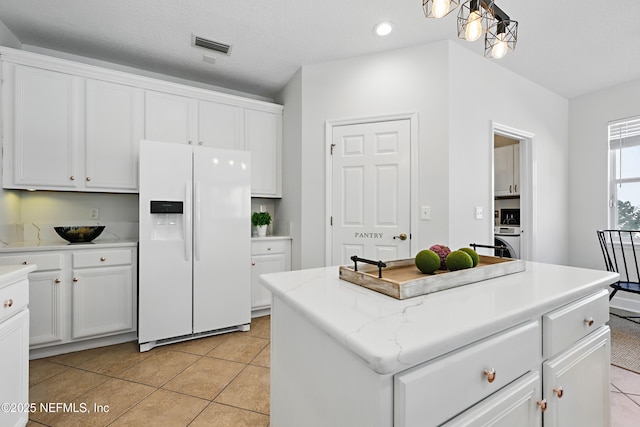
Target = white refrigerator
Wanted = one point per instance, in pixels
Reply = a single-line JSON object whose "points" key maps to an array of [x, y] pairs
{"points": [[194, 242]]}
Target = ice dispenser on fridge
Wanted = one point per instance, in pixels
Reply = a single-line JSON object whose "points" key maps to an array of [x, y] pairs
{"points": [[167, 220]]}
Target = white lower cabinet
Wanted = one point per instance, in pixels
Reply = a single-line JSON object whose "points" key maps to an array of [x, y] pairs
{"points": [[471, 374], [576, 383], [267, 256], [515, 405], [102, 301], [79, 294]]}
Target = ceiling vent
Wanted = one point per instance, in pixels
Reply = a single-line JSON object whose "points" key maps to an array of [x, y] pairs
{"points": [[211, 45]]}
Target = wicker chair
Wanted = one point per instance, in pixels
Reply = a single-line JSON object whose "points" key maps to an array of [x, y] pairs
{"points": [[619, 252]]}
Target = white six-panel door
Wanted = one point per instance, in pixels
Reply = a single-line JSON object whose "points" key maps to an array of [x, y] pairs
{"points": [[371, 191]]}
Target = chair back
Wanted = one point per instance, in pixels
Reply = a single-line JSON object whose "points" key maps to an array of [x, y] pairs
{"points": [[619, 252]]}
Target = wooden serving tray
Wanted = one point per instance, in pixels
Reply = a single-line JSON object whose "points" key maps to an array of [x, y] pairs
{"points": [[401, 279]]}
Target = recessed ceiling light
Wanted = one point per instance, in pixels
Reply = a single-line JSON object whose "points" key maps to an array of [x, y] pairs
{"points": [[383, 28]]}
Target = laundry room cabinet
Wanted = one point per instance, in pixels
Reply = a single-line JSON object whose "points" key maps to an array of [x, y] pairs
{"points": [[506, 165]]}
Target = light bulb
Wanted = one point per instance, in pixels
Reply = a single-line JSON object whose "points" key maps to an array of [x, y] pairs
{"points": [[440, 8], [473, 29], [500, 48]]}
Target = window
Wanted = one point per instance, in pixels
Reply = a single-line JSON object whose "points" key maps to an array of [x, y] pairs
{"points": [[624, 159]]}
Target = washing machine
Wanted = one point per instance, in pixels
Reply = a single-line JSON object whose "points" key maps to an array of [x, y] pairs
{"points": [[509, 236]]}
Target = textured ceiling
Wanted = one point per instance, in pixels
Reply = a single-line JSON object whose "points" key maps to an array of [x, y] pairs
{"points": [[571, 47]]}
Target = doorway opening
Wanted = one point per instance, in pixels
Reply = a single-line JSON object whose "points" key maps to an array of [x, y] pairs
{"points": [[513, 189]]}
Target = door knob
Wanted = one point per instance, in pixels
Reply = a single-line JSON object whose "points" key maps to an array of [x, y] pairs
{"points": [[402, 236]]}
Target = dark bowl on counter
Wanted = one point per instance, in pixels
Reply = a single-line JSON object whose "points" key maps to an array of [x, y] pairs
{"points": [[79, 234]]}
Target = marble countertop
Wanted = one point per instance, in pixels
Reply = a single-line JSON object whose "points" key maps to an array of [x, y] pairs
{"points": [[61, 244], [390, 335], [11, 273], [272, 237]]}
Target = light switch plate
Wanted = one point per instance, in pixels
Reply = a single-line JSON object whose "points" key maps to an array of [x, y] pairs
{"points": [[425, 212], [478, 212]]}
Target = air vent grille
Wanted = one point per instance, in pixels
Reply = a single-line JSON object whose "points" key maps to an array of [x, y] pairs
{"points": [[212, 45]]}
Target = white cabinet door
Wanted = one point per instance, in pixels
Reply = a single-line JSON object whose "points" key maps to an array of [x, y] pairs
{"points": [[14, 368], [503, 171], [516, 169], [170, 118], [102, 301], [220, 126], [514, 405], [46, 294], [576, 377], [263, 140], [264, 264], [40, 128], [114, 121], [506, 165]]}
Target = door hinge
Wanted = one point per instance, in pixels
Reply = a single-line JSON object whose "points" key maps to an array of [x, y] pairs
{"points": [[331, 148], [331, 220]]}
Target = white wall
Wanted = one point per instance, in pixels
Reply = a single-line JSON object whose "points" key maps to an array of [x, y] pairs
{"points": [[588, 166], [481, 91], [454, 139], [401, 81], [589, 173], [289, 208]]}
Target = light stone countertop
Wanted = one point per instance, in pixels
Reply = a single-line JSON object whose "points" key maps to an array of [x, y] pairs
{"points": [[390, 335], [61, 244], [11, 273]]}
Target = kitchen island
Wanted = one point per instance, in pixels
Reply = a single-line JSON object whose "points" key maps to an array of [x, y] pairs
{"points": [[509, 349], [14, 344]]}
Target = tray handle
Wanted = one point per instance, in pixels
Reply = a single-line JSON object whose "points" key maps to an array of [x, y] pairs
{"points": [[379, 264]]}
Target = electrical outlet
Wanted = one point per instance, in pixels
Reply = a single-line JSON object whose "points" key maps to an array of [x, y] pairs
{"points": [[425, 212], [94, 213]]}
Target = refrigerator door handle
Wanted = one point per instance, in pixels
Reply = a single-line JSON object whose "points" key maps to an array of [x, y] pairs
{"points": [[187, 221], [196, 222]]}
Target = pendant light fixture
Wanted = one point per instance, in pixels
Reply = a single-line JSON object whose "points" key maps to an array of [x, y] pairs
{"points": [[477, 18], [438, 8], [501, 36]]}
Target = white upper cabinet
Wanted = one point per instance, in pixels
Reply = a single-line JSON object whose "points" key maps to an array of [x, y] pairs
{"points": [[184, 120], [221, 126], [263, 136], [112, 134], [64, 132], [506, 165], [170, 118], [39, 118], [75, 127]]}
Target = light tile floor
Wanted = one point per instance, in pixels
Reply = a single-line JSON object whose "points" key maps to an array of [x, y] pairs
{"points": [[216, 382]]}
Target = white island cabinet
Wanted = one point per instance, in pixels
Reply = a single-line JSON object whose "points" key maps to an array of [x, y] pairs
{"points": [[523, 350], [14, 345]]}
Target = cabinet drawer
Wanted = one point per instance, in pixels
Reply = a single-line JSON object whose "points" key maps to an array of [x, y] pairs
{"points": [[568, 324], [13, 298], [268, 247], [43, 262], [464, 374], [101, 258]]}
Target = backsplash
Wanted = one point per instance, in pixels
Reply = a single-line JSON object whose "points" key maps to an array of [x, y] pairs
{"points": [[44, 232]]}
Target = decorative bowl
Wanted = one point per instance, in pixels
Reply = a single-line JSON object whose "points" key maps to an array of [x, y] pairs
{"points": [[78, 234]]}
